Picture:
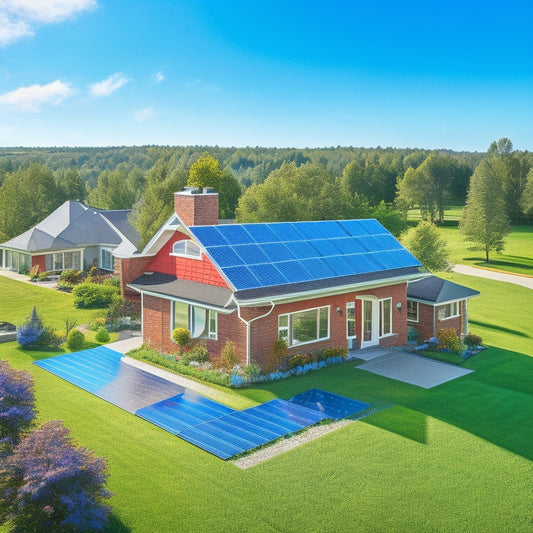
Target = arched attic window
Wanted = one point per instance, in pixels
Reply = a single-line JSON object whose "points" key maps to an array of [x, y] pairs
{"points": [[186, 248]]}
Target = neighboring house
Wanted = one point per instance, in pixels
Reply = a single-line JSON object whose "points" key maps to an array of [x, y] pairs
{"points": [[315, 284], [434, 304], [74, 236]]}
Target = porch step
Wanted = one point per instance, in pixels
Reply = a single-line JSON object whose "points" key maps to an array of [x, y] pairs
{"points": [[366, 354]]}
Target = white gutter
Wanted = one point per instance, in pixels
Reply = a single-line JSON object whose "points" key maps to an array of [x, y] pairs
{"points": [[248, 322]]}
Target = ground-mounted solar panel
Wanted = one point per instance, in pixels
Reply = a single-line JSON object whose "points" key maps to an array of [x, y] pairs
{"points": [[241, 277], [225, 256], [261, 233], [329, 404], [209, 235], [277, 251]]}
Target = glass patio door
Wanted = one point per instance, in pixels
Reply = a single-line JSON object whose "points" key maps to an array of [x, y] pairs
{"points": [[370, 322]]}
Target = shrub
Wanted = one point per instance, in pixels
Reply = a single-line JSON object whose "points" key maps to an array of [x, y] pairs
{"points": [[30, 332], [326, 353], [102, 335], [253, 369], [181, 336], [17, 403], [472, 340], [50, 339], [229, 355], [65, 286], [72, 277], [112, 281], [277, 356], [34, 273], [55, 485], [97, 323], [198, 353], [299, 359], [448, 339], [75, 340], [91, 295]]}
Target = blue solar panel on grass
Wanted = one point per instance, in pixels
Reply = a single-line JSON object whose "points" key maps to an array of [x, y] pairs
{"points": [[329, 404]]}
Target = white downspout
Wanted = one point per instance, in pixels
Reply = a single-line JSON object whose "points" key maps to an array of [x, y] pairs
{"points": [[248, 322]]}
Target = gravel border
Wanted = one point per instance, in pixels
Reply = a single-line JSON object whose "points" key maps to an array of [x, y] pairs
{"points": [[288, 444]]}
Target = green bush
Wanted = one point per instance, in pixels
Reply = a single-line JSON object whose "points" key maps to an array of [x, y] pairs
{"points": [[198, 353], [448, 339], [229, 355], [253, 369], [277, 356], [181, 336], [299, 359], [97, 323], [472, 340], [75, 340], [102, 335], [92, 295], [72, 277], [50, 339], [326, 353]]}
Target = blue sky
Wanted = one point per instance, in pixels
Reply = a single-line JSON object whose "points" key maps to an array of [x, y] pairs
{"points": [[449, 74]]}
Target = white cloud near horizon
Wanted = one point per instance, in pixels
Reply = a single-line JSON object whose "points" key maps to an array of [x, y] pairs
{"points": [[19, 18], [144, 114], [34, 97], [109, 85], [159, 76]]}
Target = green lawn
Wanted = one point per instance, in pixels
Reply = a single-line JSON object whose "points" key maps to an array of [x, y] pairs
{"points": [[454, 458]]}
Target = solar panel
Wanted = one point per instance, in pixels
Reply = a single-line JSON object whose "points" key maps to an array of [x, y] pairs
{"points": [[303, 249], [225, 256], [261, 233], [317, 268], [241, 277], [268, 275], [286, 231], [277, 251], [293, 271], [209, 235], [326, 248], [235, 234], [332, 229], [251, 254], [310, 230]]}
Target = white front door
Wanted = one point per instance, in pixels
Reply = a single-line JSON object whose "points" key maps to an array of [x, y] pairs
{"points": [[370, 322]]}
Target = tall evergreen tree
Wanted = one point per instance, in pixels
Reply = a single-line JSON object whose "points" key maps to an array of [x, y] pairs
{"points": [[484, 220]]}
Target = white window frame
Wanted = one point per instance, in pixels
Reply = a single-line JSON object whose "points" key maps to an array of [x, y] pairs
{"points": [[350, 306], [383, 333], [210, 315], [110, 252], [286, 332], [411, 302], [191, 249], [442, 310], [62, 253]]}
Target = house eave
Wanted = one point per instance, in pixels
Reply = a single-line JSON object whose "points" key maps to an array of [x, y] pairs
{"points": [[443, 302]]}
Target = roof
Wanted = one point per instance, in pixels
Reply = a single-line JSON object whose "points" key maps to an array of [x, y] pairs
{"points": [[74, 224], [437, 290], [274, 258], [167, 285]]}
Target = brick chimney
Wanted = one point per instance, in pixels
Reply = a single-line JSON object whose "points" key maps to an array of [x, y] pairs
{"points": [[195, 207]]}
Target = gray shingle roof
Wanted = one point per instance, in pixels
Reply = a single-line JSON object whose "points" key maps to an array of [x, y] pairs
{"points": [[73, 224], [437, 290]]}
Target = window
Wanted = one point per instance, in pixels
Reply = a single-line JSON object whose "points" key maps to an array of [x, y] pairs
{"points": [[66, 260], [186, 249], [412, 311], [385, 317], [107, 260], [448, 310], [303, 327], [350, 320], [201, 322]]}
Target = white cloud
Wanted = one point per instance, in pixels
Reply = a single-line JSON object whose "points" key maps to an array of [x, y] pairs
{"points": [[33, 97], [159, 76], [203, 86], [19, 18], [144, 114], [109, 85]]}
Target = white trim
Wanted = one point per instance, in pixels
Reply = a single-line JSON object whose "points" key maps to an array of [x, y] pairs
{"points": [[207, 324], [248, 322], [142, 316], [382, 315], [417, 311], [374, 341], [289, 316], [110, 250], [188, 243], [351, 305]]}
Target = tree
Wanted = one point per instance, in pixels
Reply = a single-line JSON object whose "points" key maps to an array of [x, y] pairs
{"points": [[500, 147], [26, 197], [17, 404], [395, 221], [206, 172], [51, 484], [112, 191], [72, 186], [526, 202], [427, 244], [484, 220]]}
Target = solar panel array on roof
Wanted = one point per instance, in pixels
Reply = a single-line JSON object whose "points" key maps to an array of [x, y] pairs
{"points": [[265, 255]]}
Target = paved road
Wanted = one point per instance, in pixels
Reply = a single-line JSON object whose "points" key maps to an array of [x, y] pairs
{"points": [[498, 276]]}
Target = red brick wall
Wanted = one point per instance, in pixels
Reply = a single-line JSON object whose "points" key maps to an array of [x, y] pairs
{"points": [[201, 270], [424, 327], [129, 269], [196, 209]]}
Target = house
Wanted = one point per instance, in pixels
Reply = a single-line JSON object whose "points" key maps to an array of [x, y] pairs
{"points": [[315, 284], [74, 236], [434, 304]]}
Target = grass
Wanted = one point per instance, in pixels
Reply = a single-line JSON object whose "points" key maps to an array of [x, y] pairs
{"points": [[456, 457]]}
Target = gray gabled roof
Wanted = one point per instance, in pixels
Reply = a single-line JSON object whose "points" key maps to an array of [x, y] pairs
{"points": [[74, 224], [437, 290]]}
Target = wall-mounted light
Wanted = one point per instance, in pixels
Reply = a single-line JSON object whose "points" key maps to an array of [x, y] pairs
{"points": [[339, 310], [399, 306]]}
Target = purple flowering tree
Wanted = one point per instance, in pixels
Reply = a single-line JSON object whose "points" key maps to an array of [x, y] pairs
{"points": [[51, 484], [17, 404]]}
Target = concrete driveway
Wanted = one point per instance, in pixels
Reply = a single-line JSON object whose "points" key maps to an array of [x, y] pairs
{"points": [[413, 369]]}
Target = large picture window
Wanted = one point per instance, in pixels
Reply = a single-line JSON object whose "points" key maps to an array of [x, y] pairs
{"points": [[186, 248], [385, 317], [107, 261], [412, 311], [201, 322], [350, 320], [448, 310], [304, 327], [66, 260]]}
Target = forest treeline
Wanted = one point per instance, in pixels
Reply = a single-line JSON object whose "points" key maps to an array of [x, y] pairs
{"points": [[255, 184]]}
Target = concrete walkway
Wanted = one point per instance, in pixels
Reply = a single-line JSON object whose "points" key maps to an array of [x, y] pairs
{"points": [[524, 281], [413, 369], [25, 279]]}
